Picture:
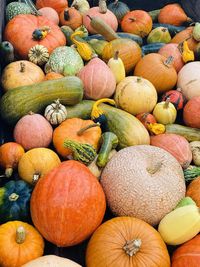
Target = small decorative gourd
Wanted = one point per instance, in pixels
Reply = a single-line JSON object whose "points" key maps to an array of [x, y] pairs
{"points": [[159, 35], [83, 29], [16, 8], [55, 113], [196, 32], [165, 112], [38, 54], [81, 5], [119, 8], [117, 67]]}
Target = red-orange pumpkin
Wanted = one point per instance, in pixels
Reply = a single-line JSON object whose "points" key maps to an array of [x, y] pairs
{"points": [[146, 118], [20, 29], [68, 204], [193, 190], [191, 112], [175, 97], [58, 5], [188, 254], [176, 145], [50, 14], [137, 22], [71, 17]]}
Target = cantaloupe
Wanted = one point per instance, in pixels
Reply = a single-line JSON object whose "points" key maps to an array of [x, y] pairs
{"points": [[143, 181]]}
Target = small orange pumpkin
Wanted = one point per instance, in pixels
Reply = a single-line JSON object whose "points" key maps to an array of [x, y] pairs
{"points": [[71, 17], [193, 190], [53, 76]]}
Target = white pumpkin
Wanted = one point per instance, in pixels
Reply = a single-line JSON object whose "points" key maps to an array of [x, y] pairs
{"points": [[143, 181]]}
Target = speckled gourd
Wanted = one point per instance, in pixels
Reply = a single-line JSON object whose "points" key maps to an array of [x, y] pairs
{"points": [[16, 8]]}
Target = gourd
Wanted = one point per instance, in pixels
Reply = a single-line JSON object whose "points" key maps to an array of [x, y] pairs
{"points": [[38, 55], [191, 173], [37, 162], [57, 5], [21, 73], [146, 118], [126, 241], [20, 243], [144, 167], [10, 154], [71, 17], [53, 76], [191, 134], [40, 134], [195, 33], [48, 34], [151, 48], [193, 190], [67, 32], [75, 129], [175, 97], [55, 113], [68, 89], [16, 8], [81, 5], [165, 112], [173, 30], [191, 112], [117, 67], [97, 45], [174, 143], [6, 53], [50, 14], [85, 204], [119, 8], [154, 14], [135, 95], [187, 54], [83, 29], [195, 148], [159, 35], [15, 201]]}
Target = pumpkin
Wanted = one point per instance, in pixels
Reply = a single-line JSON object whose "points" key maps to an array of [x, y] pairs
{"points": [[173, 50], [10, 154], [193, 190], [138, 174], [55, 113], [53, 76], [16, 8], [195, 148], [50, 14], [102, 12], [40, 134], [173, 14], [126, 241], [67, 221], [135, 95], [158, 70], [119, 8], [15, 201], [188, 80], [71, 17], [37, 162], [51, 261], [20, 243], [191, 112], [21, 73], [38, 54], [146, 118], [50, 35], [187, 254], [176, 145], [81, 5], [75, 129], [129, 52], [56, 5], [137, 22], [102, 81], [159, 35], [165, 112], [175, 97]]}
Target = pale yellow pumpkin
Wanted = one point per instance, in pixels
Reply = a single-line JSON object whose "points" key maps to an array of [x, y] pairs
{"points": [[165, 112]]}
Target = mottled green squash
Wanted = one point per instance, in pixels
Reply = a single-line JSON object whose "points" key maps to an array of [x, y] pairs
{"points": [[16, 8]]}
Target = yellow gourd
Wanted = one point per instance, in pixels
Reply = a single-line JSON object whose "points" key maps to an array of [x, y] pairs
{"points": [[156, 128], [165, 112], [187, 54], [117, 67]]}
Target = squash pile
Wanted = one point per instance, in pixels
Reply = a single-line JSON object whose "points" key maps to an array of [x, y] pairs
{"points": [[103, 107]]}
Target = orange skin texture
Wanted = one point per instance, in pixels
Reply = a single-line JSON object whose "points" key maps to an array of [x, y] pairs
{"points": [[53, 76], [191, 112], [75, 18], [193, 190], [50, 14], [57, 5]]}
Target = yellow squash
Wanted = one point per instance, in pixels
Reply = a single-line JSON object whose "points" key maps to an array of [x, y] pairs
{"points": [[117, 67]]}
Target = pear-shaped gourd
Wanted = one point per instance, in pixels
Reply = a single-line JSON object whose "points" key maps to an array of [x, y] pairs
{"points": [[165, 112], [196, 32], [117, 67], [159, 35]]}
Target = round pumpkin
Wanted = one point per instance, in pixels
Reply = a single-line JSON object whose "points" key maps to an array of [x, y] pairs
{"points": [[20, 73], [69, 130], [146, 118], [143, 181], [158, 70], [165, 112], [175, 97], [193, 190], [19, 32], [191, 112], [66, 221], [135, 95], [71, 17], [53, 76], [50, 14], [119, 8], [32, 131], [58, 5], [20, 243], [126, 241], [37, 162]]}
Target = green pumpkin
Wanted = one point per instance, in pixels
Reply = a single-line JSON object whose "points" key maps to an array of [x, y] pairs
{"points": [[14, 201], [16, 8], [119, 8], [159, 35], [63, 56]]}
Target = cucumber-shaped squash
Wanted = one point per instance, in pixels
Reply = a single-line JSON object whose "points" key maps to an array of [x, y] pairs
{"points": [[191, 134], [129, 130], [19, 101], [154, 14], [173, 30], [151, 48]]}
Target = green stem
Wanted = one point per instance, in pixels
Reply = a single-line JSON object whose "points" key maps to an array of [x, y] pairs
{"points": [[81, 131], [13, 197]]}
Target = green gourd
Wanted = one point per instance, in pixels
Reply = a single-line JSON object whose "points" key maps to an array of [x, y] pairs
{"points": [[191, 173], [67, 32], [6, 53], [159, 35], [98, 45], [16, 8]]}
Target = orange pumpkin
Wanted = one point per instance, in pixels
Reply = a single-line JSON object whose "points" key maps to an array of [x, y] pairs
{"points": [[137, 22], [58, 5], [19, 32], [71, 17], [53, 76], [68, 204], [191, 112], [126, 241], [193, 190], [69, 130]]}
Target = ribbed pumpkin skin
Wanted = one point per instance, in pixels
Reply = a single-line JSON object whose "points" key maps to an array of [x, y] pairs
{"points": [[50, 14], [191, 112], [19, 33], [176, 145], [58, 5], [188, 254], [68, 204], [131, 190], [105, 247], [193, 190]]}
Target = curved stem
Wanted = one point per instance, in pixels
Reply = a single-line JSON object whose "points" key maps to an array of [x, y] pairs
{"points": [[8, 172], [81, 131], [166, 105], [22, 67], [116, 55], [36, 177], [116, 2], [20, 235], [102, 6], [132, 247], [132, 19], [13, 197]]}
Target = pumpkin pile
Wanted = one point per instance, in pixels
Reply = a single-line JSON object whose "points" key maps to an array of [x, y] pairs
{"points": [[103, 108]]}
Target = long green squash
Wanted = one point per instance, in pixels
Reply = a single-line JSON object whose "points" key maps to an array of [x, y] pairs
{"points": [[129, 130], [19, 101]]}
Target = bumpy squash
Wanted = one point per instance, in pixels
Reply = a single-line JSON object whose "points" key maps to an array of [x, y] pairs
{"points": [[16, 8]]}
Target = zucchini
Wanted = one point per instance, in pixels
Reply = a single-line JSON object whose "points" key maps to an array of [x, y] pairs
{"points": [[151, 48], [173, 30], [191, 134], [154, 14], [35, 97], [129, 130]]}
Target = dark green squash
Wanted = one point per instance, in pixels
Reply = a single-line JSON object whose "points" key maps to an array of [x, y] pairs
{"points": [[119, 8], [14, 201], [151, 48], [6, 53]]}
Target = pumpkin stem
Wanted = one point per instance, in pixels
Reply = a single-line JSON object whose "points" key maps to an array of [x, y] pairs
{"points": [[139, 79], [81, 131], [13, 197], [102, 6], [20, 235], [116, 55], [164, 29], [144, 116], [132, 247], [35, 178], [57, 107], [116, 2], [132, 19], [66, 15], [31, 113], [166, 105], [22, 67], [89, 17], [168, 62], [153, 169], [8, 172]]}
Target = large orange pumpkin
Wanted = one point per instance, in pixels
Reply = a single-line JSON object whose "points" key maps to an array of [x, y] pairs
{"points": [[68, 204], [58, 5], [19, 32], [126, 241]]}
